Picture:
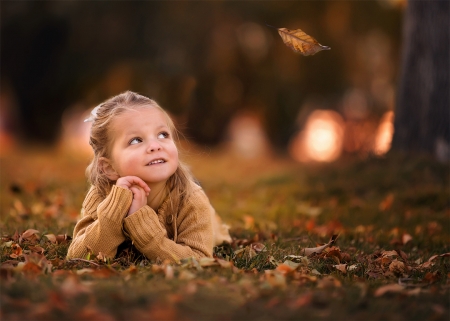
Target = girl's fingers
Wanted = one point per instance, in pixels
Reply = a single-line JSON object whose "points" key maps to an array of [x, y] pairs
{"points": [[129, 181], [138, 192]]}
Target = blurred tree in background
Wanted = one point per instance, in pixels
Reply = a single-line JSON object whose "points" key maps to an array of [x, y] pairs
{"points": [[202, 61], [423, 104]]}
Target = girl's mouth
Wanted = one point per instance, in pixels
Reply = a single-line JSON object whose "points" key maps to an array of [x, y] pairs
{"points": [[156, 161]]}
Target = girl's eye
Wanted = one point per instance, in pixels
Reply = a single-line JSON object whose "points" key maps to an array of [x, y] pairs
{"points": [[163, 135], [135, 141]]}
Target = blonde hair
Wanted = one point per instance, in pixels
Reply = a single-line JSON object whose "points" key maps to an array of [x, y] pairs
{"points": [[178, 185]]}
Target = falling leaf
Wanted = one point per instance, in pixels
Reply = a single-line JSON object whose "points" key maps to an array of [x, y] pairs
{"points": [[300, 42]]}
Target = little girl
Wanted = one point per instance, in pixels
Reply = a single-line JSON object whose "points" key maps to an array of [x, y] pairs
{"points": [[140, 190]]}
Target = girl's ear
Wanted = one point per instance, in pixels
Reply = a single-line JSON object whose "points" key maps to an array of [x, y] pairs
{"points": [[107, 168]]}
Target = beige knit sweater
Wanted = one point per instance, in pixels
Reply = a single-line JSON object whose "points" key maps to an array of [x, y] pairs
{"points": [[192, 232]]}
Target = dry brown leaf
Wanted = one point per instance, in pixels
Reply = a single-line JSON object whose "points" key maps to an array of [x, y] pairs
{"points": [[224, 263], [406, 238], [51, 237], [16, 251], [341, 267], [186, 275], [287, 267], [397, 267], [300, 42], [207, 261], [31, 268], [37, 249], [29, 235], [328, 282], [245, 253], [438, 255], [311, 250], [131, 270], [275, 278], [258, 247], [394, 287]]}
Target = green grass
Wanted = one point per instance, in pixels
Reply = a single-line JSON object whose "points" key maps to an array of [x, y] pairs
{"points": [[372, 204]]}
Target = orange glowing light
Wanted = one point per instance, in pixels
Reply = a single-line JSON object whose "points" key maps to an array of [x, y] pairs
{"points": [[75, 132], [322, 138], [246, 136], [385, 131]]}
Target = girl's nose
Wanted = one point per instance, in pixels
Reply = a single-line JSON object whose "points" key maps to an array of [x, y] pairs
{"points": [[153, 147]]}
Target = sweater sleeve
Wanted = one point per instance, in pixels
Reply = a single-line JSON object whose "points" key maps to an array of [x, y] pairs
{"points": [[100, 229], [194, 229]]}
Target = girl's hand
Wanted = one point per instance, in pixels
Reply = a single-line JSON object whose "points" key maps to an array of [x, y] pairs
{"points": [[139, 189]]}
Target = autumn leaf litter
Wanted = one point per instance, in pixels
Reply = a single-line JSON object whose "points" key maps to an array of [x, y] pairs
{"points": [[293, 263]]}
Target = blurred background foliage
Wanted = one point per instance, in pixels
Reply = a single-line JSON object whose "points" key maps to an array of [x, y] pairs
{"points": [[206, 62]]}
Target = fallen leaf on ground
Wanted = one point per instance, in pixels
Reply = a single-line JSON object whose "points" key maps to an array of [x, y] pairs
{"points": [[258, 247], [16, 251], [406, 238], [29, 235], [311, 250], [397, 267], [275, 278], [328, 282], [393, 287], [341, 267], [287, 266], [207, 261]]}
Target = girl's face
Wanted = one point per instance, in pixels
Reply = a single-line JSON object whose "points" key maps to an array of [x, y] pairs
{"points": [[143, 146]]}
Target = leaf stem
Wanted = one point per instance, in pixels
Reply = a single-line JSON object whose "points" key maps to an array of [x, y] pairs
{"points": [[270, 26]]}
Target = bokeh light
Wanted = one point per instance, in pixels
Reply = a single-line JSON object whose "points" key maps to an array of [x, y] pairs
{"points": [[321, 139]]}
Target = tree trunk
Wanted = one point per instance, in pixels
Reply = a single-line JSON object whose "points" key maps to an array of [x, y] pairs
{"points": [[422, 122]]}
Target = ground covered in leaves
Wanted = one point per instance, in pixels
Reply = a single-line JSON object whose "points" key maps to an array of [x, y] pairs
{"points": [[390, 260]]}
